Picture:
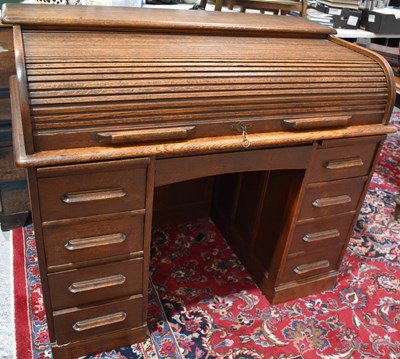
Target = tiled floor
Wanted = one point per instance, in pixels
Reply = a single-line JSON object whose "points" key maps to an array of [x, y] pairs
{"points": [[7, 340]]}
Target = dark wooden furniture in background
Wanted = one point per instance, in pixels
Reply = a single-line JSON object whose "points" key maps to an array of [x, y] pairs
{"points": [[14, 198], [268, 124]]}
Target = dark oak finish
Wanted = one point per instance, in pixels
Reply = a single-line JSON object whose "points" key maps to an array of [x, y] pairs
{"points": [[100, 342], [324, 199], [14, 198], [126, 314], [201, 166], [343, 162], [106, 281], [128, 117], [72, 243], [73, 191], [326, 231], [310, 264]]}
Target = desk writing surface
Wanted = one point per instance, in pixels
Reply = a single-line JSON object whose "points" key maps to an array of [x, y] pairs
{"points": [[271, 127]]}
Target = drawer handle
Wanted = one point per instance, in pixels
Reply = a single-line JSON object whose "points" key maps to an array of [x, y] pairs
{"points": [[97, 283], [331, 201], [320, 236], [99, 321], [160, 134], [89, 242], [305, 268], [315, 123], [88, 196], [344, 163]]}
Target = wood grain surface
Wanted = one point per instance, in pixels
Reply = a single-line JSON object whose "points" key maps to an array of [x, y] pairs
{"points": [[159, 20]]}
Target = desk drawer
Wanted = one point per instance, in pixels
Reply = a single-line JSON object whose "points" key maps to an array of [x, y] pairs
{"points": [[324, 199], [311, 264], [75, 324], [97, 283], [325, 231], [91, 189], [342, 162], [93, 238]]}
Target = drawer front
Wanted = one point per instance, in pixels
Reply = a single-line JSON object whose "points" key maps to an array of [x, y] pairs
{"points": [[88, 239], [76, 324], [324, 199], [342, 162], [325, 231], [84, 193], [311, 264], [102, 282]]}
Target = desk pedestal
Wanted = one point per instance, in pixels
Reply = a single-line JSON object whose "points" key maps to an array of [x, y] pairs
{"points": [[288, 212]]}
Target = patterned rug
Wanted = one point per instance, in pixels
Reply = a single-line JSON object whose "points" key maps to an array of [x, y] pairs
{"points": [[203, 304]]}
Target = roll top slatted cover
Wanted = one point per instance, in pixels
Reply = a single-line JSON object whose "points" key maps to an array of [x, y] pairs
{"points": [[155, 69]]}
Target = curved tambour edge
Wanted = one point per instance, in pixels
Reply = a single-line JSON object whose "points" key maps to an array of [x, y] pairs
{"points": [[386, 68], [174, 92]]}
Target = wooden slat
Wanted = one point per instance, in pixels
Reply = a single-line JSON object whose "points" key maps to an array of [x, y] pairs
{"points": [[173, 103], [153, 94], [124, 77], [138, 64], [144, 46], [43, 61], [268, 71], [181, 110], [277, 88], [220, 78], [210, 117]]}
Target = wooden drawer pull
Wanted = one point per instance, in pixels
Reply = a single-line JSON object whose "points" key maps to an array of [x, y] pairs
{"points": [[344, 163], [97, 283], [89, 242], [320, 236], [88, 196], [99, 321], [305, 268], [315, 123], [159, 134], [331, 201]]}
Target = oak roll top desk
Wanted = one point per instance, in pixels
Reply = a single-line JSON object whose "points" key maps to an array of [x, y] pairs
{"points": [[111, 105]]}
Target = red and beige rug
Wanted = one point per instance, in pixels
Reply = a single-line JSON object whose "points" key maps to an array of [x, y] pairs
{"points": [[202, 303]]}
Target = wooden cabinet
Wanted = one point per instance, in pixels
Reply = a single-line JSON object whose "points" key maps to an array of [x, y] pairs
{"points": [[91, 240], [336, 185], [267, 124]]}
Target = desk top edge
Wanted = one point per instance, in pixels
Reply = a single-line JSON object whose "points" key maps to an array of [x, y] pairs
{"points": [[191, 147], [94, 17]]}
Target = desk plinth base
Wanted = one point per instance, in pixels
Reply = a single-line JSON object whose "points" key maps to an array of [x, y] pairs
{"points": [[293, 290], [100, 343]]}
